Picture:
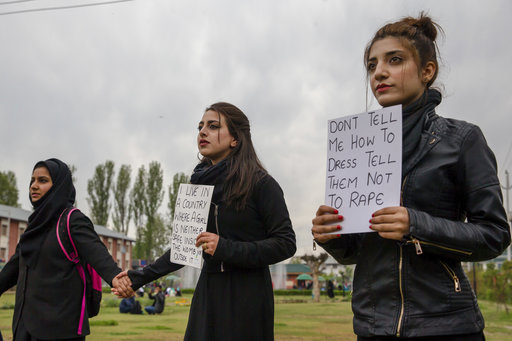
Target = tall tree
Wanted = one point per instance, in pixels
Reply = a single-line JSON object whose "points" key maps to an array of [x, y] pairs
{"points": [[8, 189], [161, 237], [499, 283], [98, 189], [147, 196], [154, 196], [316, 264], [137, 205], [72, 169], [177, 179], [121, 216]]}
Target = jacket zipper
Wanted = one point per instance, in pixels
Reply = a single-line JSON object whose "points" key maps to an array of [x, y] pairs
{"points": [[217, 228], [417, 245], [402, 305], [452, 274], [400, 266], [419, 251]]}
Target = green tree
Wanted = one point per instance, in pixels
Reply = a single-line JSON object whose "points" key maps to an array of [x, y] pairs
{"points": [[154, 196], [499, 283], [137, 204], [98, 189], [72, 169], [147, 196], [8, 189], [178, 178], [316, 264], [161, 237], [122, 214]]}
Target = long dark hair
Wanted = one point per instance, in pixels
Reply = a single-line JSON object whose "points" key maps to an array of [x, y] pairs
{"points": [[244, 166]]}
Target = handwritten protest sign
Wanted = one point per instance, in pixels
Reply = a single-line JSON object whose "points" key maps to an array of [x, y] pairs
{"points": [[364, 165], [190, 219]]}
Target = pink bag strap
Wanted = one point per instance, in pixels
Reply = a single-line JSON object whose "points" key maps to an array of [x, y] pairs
{"points": [[73, 257]]}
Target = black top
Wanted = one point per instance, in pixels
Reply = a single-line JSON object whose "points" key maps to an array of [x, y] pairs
{"points": [[49, 295], [233, 299], [159, 301], [255, 237]]}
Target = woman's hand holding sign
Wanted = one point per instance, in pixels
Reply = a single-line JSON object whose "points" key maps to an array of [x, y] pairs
{"points": [[326, 215], [391, 222], [208, 241]]}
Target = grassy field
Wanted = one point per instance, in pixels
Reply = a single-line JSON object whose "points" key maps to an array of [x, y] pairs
{"points": [[300, 320]]}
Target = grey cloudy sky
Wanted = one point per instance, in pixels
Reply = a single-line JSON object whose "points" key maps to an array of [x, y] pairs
{"points": [[129, 81]]}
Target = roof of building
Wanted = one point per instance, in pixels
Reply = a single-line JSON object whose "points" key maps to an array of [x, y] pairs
{"points": [[103, 231], [15, 213], [20, 214]]}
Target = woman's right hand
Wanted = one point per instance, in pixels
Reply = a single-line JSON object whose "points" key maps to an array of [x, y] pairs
{"points": [[321, 231], [121, 285]]}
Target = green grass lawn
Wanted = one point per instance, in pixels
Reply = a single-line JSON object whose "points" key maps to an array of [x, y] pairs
{"points": [[300, 320]]}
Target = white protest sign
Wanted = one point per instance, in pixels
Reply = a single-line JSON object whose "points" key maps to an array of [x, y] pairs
{"points": [[190, 219], [364, 165]]}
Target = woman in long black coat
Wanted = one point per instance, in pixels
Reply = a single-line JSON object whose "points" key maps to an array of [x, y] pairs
{"points": [[248, 229], [49, 288]]}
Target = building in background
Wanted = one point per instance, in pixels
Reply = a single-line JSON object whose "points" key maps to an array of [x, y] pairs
{"points": [[13, 222]]}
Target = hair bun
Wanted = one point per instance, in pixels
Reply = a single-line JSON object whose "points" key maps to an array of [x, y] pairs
{"points": [[425, 24]]}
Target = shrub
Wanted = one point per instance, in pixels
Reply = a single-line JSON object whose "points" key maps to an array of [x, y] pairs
{"points": [[306, 292], [103, 323], [110, 302]]}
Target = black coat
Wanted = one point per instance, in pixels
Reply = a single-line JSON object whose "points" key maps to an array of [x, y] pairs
{"points": [[233, 299], [49, 296], [417, 287], [159, 301]]}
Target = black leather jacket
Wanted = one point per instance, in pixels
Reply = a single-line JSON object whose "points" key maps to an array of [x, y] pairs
{"points": [[417, 287]]}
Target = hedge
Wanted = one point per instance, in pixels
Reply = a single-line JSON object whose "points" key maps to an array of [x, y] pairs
{"points": [[287, 292]]}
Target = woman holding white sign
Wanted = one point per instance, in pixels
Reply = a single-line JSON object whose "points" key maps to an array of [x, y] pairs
{"points": [[408, 282], [248, 229]]}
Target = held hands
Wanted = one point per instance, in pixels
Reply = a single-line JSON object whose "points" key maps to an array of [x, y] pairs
{"points": [[389, 222], [122, 285], [208, 241]]}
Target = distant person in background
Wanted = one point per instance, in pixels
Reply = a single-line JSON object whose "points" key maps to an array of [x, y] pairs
{"points": [[126, 305], [330, 289], [158, 303]]}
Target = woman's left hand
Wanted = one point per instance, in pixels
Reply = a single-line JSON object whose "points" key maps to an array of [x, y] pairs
{"points": [[208, 241], [391, 222]]}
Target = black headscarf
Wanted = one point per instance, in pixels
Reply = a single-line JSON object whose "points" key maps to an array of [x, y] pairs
{"points": [[414, 117], [46, 210]]}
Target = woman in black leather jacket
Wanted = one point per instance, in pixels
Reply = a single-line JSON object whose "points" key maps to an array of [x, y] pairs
{"points": [[408, 281]]}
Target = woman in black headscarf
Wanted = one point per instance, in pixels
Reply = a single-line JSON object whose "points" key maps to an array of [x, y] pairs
{"points": [[49, 288]]}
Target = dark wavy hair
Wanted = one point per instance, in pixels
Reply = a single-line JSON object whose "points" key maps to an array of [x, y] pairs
{"points": [[244, 166]]}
